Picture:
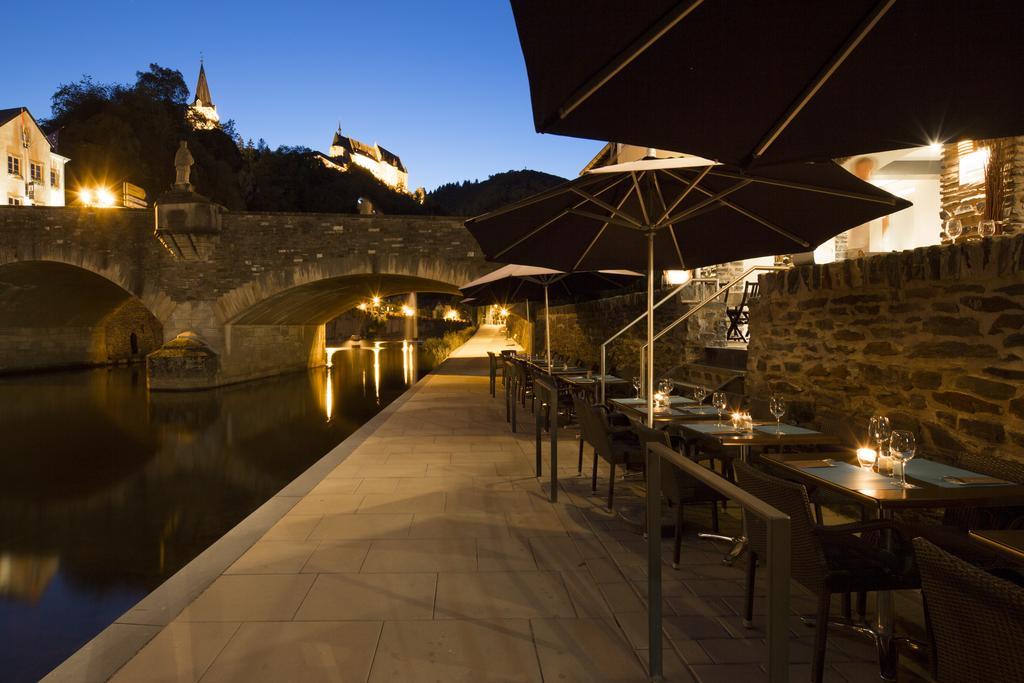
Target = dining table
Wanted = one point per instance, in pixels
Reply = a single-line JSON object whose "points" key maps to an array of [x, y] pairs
{"points": [[769, 435], [1008, 543], [636, 408], [935, 485]]}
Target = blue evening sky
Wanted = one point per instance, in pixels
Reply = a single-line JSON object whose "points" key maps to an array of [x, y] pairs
{"points": [[439, 82]]}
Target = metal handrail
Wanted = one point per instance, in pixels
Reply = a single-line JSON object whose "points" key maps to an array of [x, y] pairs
{"points": [[609, 340], [723, 289], [778, 560]]}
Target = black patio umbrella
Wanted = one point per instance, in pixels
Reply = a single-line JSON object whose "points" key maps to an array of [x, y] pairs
{"points": [[679, 213], [514, 283], [749, 82]]}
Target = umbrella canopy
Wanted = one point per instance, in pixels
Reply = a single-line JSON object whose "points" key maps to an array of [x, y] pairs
{"points": [[519, 283], [700, 215], [751, 82]]}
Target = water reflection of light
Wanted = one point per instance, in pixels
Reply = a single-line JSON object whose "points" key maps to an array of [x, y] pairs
{"points": [[376, 368], [408, 362], [329, 395]]}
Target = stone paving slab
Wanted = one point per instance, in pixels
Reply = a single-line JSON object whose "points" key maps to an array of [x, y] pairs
{"points": [[431, 553]]}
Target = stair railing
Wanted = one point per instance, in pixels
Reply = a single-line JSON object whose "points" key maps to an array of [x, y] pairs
{"points": [[609, 340], [708, 299]]}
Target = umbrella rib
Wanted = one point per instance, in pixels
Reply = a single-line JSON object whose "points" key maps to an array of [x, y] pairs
{"points": [[830, 68], [686, 191], [640, 197], [553, 192], [671, 228], [890, 200], [542, 226], [766, 223], [599, 233], [615, 211], [603, 219], [712, 198], [624, 58]]}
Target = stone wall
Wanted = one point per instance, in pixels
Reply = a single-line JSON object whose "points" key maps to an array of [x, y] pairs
{"points": [[577, 331], [933, 337]]}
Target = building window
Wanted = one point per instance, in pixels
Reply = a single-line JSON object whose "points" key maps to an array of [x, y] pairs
{"points": [[13, 165], [54, 177], [14, 201], [35, 171]]}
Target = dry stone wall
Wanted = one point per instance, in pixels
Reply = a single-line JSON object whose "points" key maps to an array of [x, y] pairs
{"points": [[932, 337]]}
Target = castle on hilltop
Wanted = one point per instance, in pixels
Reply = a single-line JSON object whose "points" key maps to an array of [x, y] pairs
{"points": [[385, 166]]}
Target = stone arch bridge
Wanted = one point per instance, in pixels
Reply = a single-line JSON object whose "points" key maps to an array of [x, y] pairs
{"points": [[243, 296]]}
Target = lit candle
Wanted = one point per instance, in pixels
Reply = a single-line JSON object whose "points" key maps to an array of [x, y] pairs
{"points": [[659, 398], [737, 420], [867, 457]]}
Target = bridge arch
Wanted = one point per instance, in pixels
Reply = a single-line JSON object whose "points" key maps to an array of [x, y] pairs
{"points": [[55, 313], [312, 294]]}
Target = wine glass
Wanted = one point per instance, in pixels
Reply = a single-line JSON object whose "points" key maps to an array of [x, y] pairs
{"points": [[636, 385], [902, 446], [987, 228], [879, 429], [700, 393], [777, 406], [666, 386], [721, 402], [954, 228]]}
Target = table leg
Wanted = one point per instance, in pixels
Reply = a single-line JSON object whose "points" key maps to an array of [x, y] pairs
{"points": [[553, 465], [888, 655], [739, 545]]}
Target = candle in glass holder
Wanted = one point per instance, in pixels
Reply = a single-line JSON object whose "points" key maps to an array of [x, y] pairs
{"points": [[867, 457], [737, 420], [748, 423], [659, 399]]}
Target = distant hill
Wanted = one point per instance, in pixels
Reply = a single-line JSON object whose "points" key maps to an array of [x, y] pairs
{"points": [[474, 197]]}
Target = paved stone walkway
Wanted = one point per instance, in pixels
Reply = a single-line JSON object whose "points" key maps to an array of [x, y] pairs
{"points": [[433, 554]]}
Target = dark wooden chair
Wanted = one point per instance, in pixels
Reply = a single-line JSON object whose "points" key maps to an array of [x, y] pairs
{"points": [[825, 559], [739, 315], [679, 488], [597, 432], [975, 620]]}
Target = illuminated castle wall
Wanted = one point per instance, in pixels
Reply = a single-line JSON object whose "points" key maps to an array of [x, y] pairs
{"points": [[386, 166]]}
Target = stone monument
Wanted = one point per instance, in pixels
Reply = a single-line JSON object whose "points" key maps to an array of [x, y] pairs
{"points": [[187, 223], [183, 168]]}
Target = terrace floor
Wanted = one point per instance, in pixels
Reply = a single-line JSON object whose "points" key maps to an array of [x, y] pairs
{"points": [[433, 554]]}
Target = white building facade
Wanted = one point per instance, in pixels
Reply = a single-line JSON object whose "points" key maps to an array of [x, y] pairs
{"points": [[32, 173]]}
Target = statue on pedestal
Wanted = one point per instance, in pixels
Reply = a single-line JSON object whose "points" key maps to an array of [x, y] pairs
{"points": [[183, 167]]}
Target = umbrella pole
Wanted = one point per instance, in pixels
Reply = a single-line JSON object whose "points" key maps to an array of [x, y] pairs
{"points": [[653, 491], [547, 328]]}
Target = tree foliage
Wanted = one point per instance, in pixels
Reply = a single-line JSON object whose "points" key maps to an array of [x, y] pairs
{"points": [[474, 197], [118, 132]]}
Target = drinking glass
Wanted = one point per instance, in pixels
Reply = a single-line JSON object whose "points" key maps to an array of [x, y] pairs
{"points": [[902, 446], [954, 228], [721, 402], [636, 385], [777, 406], [700, 393], [665, 386], [987, 228], [880, 429]]}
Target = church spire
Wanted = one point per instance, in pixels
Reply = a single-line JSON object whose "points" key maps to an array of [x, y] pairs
{"points": [[202, 87]]}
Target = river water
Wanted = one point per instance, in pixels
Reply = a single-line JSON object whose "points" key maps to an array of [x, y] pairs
{"points": [[106, 489]]}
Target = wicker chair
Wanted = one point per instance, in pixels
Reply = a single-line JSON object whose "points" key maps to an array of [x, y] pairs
{"points": [[679, 488], [826, 560], [975, 620], [596, 431]]}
